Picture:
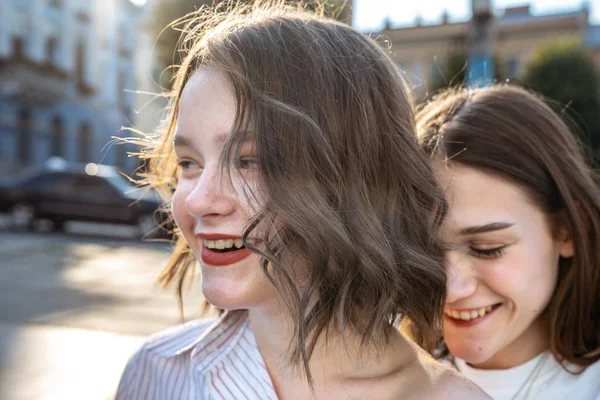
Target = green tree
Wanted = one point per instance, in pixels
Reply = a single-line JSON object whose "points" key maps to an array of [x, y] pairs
{"points": [[452, 71], [564, 72], [167, 35]]}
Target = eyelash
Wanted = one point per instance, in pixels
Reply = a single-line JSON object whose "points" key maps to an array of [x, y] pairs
{"points": [[184, 164], [488, 253], [243, 163]]}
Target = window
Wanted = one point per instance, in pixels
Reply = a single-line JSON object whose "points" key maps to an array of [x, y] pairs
{"points": [[24, 136], [512, 67], [55, 4], [85, 142], [20, 21], [121, 88], [80, 62], [121, 155], [51, 49], [96, 187], [57, 137], [18, 46], [120, 183], [55, 183]]}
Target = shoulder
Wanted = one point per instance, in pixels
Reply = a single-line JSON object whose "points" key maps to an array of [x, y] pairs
{"points": [[582, 383], [450, 384], [445, 382], [159, 353]]}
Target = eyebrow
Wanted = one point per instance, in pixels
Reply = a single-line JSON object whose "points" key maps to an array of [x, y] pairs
{"points": [[491, 227], [181, 141]]}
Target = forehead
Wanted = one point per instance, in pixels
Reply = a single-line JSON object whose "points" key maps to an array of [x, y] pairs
{"points": [[206, 106], [477, 197]]}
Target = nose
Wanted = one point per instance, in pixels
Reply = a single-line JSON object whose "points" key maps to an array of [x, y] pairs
{"points": [[211, 196], [462, 280]]}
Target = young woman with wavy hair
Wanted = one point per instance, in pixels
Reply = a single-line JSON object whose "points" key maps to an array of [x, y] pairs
{"points": [[301, 192], [522, 314]]}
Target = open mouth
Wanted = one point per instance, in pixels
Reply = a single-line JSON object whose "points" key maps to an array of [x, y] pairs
{"points": [[221, 252], [470, 316]]}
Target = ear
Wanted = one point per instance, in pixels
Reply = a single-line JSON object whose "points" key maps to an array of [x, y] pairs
{"points": [[566, 247]]}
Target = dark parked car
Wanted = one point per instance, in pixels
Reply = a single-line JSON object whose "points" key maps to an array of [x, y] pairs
{"points": [[94, 194]]}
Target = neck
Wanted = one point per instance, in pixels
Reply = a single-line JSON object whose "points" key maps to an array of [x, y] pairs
{"points": [[527, 346], [333, 362]]}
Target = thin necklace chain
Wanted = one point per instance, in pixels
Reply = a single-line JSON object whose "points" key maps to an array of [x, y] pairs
{"points": [[532, 377]]}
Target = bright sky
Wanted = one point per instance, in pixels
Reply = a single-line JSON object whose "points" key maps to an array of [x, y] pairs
{"points": [[370, 14]]}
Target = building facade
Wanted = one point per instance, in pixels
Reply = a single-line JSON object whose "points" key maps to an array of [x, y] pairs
{"points": [[65, 70], [421, 50]]}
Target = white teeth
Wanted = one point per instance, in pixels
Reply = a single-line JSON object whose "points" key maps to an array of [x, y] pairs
{"points": [[468, 315], [223, 244]]}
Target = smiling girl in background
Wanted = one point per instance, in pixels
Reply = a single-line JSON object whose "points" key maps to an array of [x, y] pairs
{"points": [[522, 315], [301, 191]]}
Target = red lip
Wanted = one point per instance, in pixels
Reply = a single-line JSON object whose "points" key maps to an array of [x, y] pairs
{"points": [[221, 259]]}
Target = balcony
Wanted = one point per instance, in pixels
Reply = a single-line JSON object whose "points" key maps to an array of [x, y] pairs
{"points": [[29, 81]]}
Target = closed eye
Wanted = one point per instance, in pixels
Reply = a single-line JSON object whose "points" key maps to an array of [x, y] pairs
{"points": [[487, 253]]}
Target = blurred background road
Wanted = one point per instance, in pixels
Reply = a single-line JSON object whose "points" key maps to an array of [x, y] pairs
{"points": [[74, 307]]}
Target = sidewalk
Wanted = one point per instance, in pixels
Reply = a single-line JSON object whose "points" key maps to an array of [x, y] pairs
{"points": [[91, 362], [74, 308]]}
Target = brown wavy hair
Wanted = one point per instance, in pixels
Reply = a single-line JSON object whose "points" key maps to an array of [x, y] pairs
{"points": [[341, 171], [513, 133]]}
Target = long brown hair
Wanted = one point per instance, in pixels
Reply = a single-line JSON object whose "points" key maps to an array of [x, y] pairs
{"points": [[513, 133], [341, 171]]}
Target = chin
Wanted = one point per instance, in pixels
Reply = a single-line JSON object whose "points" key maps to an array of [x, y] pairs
{"points": [[225, 299], [232, 294], [473, 353]]}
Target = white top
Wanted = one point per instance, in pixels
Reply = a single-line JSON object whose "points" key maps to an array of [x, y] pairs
{"points": [[209, 359], [539, 378]]}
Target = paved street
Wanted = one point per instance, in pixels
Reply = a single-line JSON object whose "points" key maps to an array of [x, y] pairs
{"points": [[74, 307]]}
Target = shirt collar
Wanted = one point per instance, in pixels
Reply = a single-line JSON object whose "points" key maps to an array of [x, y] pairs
{"points": [[202, 336]]}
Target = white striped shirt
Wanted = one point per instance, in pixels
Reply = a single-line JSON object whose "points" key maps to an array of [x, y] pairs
{"points": [[202, 360]]}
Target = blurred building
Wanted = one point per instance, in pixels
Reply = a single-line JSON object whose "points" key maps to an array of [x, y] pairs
{"points": [[65, 68], [421, 50], [149, 103]]}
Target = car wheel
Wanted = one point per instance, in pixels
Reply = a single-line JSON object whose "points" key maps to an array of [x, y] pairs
{"points": [[22, 216], [147, 226]]}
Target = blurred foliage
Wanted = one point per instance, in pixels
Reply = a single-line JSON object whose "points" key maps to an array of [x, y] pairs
{"points": [[167, 36], [564, 72], [452, 71]]}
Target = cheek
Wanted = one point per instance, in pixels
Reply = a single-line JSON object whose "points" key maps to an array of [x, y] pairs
{"points": [[525, 276], [180, 215]]}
